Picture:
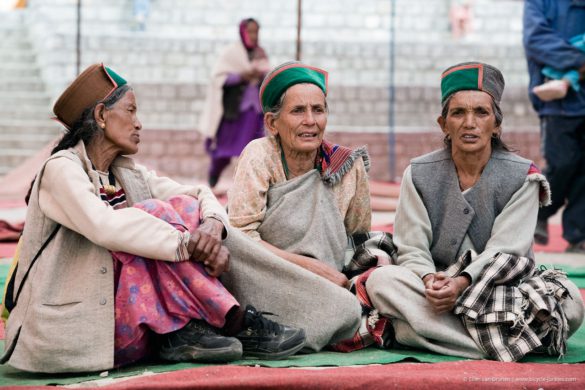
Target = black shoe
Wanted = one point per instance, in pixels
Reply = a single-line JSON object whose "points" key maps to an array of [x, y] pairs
{"points": [[389, 337], [578, 248], [541, 232], [266, 339], [199, 341]]}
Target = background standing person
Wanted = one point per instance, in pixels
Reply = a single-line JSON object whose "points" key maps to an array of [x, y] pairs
{"points": [[548, 27], [461, 18], [232, 114]]}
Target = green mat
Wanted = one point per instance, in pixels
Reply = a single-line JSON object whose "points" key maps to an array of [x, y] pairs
{"points": [[11, 376], [3, 273], [576, 274]]}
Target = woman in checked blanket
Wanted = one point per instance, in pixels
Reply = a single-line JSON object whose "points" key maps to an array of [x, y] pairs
{"points": [[466, 283]]}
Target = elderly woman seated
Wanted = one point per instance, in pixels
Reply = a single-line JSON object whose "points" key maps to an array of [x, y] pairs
{"points": [[466, 283], [301, 196], [116, 263]]}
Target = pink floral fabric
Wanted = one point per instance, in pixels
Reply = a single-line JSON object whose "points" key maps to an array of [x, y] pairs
{"points": [[154, 296]]}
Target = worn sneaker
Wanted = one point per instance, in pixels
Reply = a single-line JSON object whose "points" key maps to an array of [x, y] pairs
{"points": [[199, 341], [266, 339], [541, 232]]}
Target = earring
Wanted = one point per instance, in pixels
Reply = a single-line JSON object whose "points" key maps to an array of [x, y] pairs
{"points": [[103, 125]]}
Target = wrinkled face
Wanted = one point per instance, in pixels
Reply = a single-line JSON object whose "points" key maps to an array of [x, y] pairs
{"points": [[122, 124], [302, 120], [470, 122], [252, 32]]}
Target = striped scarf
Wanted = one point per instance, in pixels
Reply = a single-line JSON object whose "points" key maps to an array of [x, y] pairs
{"points": [[334, 161], [117, 200]]}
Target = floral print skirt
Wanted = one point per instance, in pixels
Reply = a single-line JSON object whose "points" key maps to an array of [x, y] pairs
{"points": [[157, 297]]}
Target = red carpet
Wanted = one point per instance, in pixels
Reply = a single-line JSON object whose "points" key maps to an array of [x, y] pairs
{"points": [[455, 375], [10, 232], [7, 249], [556, 243], [388, 228]]}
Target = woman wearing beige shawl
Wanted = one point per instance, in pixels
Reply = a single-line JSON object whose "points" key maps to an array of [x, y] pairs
{"points": [[232, 115]]}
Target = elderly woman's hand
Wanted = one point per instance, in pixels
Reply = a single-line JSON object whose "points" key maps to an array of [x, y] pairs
{"points": [[442, 291], [219, 264], [213, 227], [205, 247]]}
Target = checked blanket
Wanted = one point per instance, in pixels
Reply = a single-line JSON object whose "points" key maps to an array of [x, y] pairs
{"points": [[364, 253], [514, 308]]}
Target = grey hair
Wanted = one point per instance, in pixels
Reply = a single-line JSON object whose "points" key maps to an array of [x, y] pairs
{"points": [[497, 143], [276, 110]]}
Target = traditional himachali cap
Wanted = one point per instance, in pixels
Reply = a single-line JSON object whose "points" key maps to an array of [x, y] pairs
{"points": [[94, 84], [285, 76], [475, 76]]}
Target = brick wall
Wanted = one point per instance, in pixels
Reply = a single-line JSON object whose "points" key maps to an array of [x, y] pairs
{"points": [[180, 154]]}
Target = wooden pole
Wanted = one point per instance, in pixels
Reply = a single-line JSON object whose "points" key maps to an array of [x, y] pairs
{"points": [[299, 22], [392, 97], [78, 37]]}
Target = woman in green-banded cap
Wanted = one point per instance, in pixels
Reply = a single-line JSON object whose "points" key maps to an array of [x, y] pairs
{"points": [[116, 263], [302, 197], [293, 98], [466, 278]]}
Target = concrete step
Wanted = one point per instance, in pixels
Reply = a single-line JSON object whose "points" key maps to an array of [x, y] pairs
{"points": [[18, 56], [11, 158], [14, 39], [12, 19], [8, 105], [21, 126], [34, 98], [25, 113], [25, 141], [17, 70], [8, 84]]}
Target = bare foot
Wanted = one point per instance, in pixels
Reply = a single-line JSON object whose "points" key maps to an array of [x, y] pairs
{"points": [[551, 90]]}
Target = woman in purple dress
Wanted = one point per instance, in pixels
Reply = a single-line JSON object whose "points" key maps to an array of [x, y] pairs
{"points": [[232, 115]]}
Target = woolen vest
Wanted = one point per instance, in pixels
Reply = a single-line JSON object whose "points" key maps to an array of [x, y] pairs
{"points": [[64, 318], [454, 214]]}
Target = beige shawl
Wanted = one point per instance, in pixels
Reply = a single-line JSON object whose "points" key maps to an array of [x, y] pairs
{"points": [[234, 59]]}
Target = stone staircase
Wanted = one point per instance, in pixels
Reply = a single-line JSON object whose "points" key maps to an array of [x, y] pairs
{"points": [[25, 126], [169, 62]]}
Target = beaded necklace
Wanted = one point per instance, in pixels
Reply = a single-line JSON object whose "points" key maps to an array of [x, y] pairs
{"points": [[110, 188]]}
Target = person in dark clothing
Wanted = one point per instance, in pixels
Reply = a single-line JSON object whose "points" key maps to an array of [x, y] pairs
{"points": [[548, 28]]}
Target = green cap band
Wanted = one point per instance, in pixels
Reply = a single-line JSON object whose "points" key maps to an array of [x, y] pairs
{"points": [[116, 77], [287, 75], [472, 76]]}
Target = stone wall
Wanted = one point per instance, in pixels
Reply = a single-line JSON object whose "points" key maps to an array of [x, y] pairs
{"points": [[350, 38], [375, 50]]}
